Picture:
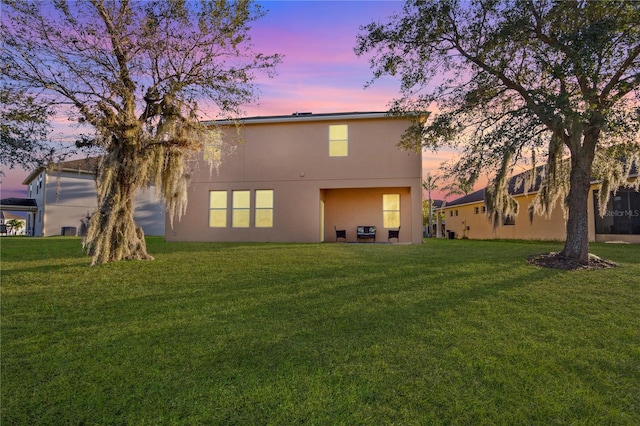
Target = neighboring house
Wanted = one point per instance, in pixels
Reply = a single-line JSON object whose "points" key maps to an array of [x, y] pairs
{"points": [[466, 217], [65, 194], [298, 178], [5, 224]]}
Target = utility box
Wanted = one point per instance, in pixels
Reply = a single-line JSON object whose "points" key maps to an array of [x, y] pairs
{"points": [[69, 231]]}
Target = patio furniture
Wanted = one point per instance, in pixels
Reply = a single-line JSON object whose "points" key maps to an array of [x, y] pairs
{"points": [[394, 233], [366, 232], [340, 233]]}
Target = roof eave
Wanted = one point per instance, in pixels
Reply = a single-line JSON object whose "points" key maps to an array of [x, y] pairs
{"points": [[305, 117]]}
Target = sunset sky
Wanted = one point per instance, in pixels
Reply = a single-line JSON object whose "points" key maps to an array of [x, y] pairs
{"points": [[320, 72]]}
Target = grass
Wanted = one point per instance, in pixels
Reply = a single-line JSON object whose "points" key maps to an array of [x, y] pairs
{"points": [[449, 332]]}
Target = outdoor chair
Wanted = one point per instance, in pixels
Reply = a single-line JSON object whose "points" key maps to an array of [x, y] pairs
{"points": [[364, 232], [341, 233], [394, 233]]}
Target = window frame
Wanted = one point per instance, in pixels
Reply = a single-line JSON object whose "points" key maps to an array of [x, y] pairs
{"points": [[258, 209], [338, 144], [386, 222], [219, 209], [509, 220], [240, 215]]}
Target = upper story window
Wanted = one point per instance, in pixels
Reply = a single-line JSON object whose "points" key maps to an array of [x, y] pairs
{"points": [[338, 140], [212, 153]]}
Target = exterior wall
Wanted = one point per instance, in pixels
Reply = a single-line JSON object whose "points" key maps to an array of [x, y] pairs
{"points": [[480, 227], [36, 191], [65, 198], [312, 191], [68, 199], [349, 208], [553, 228], [149, 212]]}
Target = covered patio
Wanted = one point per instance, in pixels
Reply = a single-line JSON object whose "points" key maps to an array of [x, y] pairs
{"points": [[27, 205]]}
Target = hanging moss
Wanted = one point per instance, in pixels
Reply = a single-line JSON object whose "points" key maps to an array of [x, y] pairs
{"points": [[612, 167], [156, 153], [554, 182], [499, 202]]}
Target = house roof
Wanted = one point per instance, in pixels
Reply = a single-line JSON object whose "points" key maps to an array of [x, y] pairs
{"points": [[8, 216], [305, 116], [18, 204], [516, 187], [82, 166], [473, 197], [515, 184]]}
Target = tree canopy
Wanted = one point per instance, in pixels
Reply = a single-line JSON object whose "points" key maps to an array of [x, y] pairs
{"points": [[515, 82], [24, 129], [140, 74]]}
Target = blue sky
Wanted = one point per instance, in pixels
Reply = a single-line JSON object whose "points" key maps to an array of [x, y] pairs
{"points": [[320, 72]]}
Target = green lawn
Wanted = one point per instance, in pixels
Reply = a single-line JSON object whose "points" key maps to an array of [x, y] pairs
{"points": [[449, 332]]}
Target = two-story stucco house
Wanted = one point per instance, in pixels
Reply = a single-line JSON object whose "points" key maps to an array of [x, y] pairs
{"points": [[300, 177], [65, 194]]}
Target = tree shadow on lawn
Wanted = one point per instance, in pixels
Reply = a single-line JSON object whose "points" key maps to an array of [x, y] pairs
{"points": [[297, 339]]}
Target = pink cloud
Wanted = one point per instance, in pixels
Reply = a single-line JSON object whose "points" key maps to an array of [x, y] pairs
{"points": [[320, 72]]}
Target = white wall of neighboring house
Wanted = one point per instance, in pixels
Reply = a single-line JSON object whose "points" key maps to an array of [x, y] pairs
{"points": [[36, 191], [66, 198]]}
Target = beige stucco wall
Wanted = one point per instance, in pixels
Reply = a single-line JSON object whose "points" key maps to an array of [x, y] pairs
{"points": [[480, 227], [542, 228], [349, 208], [292, 158]]}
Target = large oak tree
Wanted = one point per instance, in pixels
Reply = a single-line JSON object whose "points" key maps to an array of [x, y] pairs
{"points": [[514, 81], [138, 72]]}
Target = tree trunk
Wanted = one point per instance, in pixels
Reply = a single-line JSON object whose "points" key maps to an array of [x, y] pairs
{"points": [[576, 247], [112, 233]]}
